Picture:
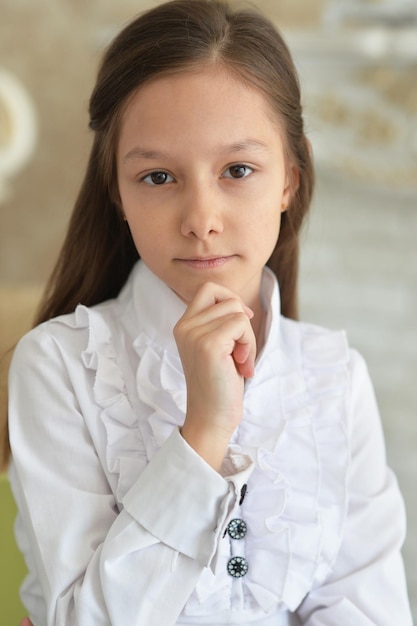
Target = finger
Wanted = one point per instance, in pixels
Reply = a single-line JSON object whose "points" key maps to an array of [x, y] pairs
{"points": [[218, 317], [236, 335], [192, 323], [228, 335], [244, 354], [246, 369], [211, 294], [197, 317]]}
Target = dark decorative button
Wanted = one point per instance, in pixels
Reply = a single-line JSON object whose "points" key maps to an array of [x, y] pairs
{"points": [[237, 567], [237, 529]]}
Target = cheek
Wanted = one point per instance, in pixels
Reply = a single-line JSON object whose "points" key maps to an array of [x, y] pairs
{"points": [[140, 230], [143, 237], [150, 233], [267, 220], [268, 232], [273, 231], [139, 243]]}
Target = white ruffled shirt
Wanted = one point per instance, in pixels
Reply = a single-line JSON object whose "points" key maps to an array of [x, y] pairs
{"points": [[122, 523]]}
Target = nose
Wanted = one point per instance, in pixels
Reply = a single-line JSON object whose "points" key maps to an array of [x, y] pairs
{"points": [[202, 214]]}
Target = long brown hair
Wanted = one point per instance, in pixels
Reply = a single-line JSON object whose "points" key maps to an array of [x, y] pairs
{"points": [[98, 253]]}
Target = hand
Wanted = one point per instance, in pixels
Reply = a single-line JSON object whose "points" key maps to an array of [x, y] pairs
{"points": [[217, 347], [25, 622]]}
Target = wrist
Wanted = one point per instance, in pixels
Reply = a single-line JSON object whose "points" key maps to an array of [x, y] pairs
{"points": [[210, 445]]}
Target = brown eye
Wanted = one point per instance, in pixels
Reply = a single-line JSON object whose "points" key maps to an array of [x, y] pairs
{"points": [[237, 171], [157, 178]]}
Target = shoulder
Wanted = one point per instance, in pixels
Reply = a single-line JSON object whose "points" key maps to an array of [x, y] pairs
{"points": [[66, 337], [317, 345], [328, 364], [311, 344]]}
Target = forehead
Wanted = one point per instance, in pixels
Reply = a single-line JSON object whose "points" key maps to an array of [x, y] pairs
{"points": [[208, 100]]}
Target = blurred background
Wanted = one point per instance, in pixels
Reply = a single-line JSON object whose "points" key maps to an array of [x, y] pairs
{"points": [[358, 65]]}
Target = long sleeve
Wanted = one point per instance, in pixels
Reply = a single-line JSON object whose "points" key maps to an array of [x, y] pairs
{"points": [[367, 586], [95, 564]]}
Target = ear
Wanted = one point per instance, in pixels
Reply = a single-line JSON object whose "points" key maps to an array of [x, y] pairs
{"points": [[292, 183]]}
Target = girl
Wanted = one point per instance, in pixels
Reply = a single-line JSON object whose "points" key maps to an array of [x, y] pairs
{"points": [[182, 452]]}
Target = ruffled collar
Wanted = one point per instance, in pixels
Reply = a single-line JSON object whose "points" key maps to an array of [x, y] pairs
{"points": [[156, 307]]}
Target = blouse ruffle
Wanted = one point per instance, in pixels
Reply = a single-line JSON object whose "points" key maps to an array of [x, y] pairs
{"points": [[295, 429], [125, 452], [297, 504]]}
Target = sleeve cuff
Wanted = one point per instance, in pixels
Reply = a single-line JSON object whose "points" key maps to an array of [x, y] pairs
{"points": [[181, 500]]}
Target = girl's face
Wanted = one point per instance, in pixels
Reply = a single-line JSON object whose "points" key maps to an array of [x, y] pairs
{"points": [[202, 180]]}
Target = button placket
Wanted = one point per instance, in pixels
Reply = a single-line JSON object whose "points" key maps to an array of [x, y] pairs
{"points": [[237, 566]]}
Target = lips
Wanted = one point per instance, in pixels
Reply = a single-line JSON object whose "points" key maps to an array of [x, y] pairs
{"points": [[210, 262]]}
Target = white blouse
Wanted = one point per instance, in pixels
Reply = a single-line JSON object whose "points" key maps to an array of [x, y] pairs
{"points": [[122, 523]]}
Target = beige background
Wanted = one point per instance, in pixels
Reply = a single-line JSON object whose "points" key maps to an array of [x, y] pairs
{"points": [[359, 268]]}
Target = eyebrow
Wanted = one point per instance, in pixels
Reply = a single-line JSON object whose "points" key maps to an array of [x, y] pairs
{"points": [[246, 144], [240, 146], [142, 153]]}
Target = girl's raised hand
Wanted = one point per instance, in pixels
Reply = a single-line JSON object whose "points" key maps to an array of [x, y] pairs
{"points": [[217, 347]]}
